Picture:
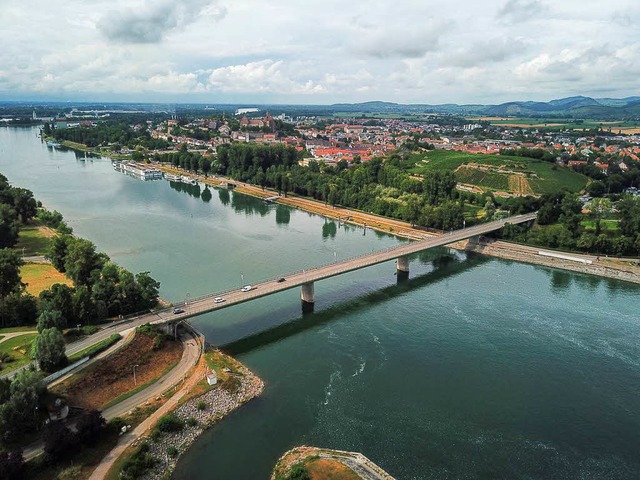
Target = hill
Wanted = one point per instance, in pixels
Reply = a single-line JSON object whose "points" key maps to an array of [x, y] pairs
{"points": [[502, 174]]}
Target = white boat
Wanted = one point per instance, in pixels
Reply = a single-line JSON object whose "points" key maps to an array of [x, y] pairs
{"points": [[172, 178], [52, 143]]}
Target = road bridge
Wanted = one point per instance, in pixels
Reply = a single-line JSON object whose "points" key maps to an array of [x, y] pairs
{"points": [[305, 279]]}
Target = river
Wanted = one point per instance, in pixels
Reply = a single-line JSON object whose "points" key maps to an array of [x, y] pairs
{"points": [[475, 367]]}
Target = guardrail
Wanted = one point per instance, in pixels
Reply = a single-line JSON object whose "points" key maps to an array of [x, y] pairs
{"points": [[61, 373]]}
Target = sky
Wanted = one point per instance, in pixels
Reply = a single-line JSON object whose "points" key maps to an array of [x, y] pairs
{"points": [[318, 52]]}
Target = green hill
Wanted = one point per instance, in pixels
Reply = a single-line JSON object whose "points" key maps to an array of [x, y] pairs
{"points": [[498, 173]]}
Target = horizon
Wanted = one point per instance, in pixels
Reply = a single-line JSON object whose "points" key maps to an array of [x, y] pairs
{"points": [[408, 52]]}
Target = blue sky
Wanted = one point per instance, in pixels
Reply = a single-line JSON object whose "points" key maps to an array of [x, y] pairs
{"points": [[319, 52]]}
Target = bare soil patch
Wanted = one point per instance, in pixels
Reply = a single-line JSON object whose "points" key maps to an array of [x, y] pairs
{"points": [[327, 469], [113, 376]]}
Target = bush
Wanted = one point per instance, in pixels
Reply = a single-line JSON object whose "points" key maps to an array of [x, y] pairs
{"points": [[172, 451], [298, 472], [192, 422], [139, 463], [170, 423], [71, 473], [202, 405], [89, 329]]}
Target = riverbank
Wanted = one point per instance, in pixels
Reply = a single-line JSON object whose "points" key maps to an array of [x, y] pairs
{"points": [[321, 463], [602, 267], [236, 386]]}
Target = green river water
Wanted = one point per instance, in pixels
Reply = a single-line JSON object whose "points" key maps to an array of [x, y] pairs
{"points": [[473, 368]]}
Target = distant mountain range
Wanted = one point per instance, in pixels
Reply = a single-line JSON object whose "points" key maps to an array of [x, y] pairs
{"points": [[574, 107]]}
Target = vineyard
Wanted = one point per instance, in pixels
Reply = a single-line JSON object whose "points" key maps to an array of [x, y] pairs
{"points": [[514, 175]]}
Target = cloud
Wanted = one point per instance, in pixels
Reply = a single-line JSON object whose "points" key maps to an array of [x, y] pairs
{"points": [[407, 41], [487, 51], [262, 76], [516, 11], [153, 20]]}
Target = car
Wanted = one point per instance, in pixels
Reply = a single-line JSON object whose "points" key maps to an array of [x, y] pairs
{"points": [[281, 279], [178, 310], [218, 300], [246, 288]]}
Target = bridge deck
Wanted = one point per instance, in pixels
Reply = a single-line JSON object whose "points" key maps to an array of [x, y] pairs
{"points": [[198, 306]]}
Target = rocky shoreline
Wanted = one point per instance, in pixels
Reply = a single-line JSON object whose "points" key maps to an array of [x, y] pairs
{"points": [[219, 402]]}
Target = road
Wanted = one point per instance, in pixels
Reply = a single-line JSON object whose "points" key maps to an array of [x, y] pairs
{"points": [[7, 336], [190, 356], [207, 303]]}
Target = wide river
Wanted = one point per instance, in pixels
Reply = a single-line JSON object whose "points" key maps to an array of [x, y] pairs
{"points": [[473, 368]]}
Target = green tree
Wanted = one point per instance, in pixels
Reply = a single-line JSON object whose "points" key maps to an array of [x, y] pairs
{"points": [[8, 226], [149, 289], [58, 251], [18, 413], [10, 280], [48, 349], [24, 203], [50, 319], [59, 298], [81, 260]]}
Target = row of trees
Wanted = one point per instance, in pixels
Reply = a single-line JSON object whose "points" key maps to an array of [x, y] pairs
{"points": [[561, 224], [378, 186], [17, 206]]}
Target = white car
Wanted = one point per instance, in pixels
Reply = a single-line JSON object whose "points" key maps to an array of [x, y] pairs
{"points": [[246, 288], [218, 299]]}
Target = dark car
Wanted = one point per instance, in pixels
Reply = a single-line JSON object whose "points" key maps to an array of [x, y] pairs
{"points": [[281, 279], [178, 310]]}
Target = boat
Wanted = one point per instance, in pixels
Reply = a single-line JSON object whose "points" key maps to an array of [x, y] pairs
{"points": [[172, 178], [52, 143]]}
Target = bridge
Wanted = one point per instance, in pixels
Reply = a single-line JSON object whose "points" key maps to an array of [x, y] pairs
{"points": [[306, 278]]}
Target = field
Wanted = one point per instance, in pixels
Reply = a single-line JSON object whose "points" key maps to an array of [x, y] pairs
{"points": [[18, 348], [33, 240], [112, 377], [40, 276], [328, 469], [560, 123], [498, 173]]}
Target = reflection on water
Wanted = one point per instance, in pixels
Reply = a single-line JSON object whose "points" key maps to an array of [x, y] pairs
{"points": [[283, 215]]}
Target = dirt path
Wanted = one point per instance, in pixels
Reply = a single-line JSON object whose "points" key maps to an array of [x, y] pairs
{"points": [[126, 440], [7, 336]]}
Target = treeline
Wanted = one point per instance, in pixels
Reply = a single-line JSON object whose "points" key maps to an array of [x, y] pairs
{"points": [[537, 153], [186, 160], [561, 224], [120, 134], [17, 206]]}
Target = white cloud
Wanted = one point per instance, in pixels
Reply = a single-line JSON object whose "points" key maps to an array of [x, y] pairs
{"points": [[327, 51]]}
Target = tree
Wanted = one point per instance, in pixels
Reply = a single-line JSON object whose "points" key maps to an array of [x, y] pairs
{"points": [[10, 280], [149, 289], [58, 251], [24, 203], [570, 217], [18, 308], [81, 260], [59, 297], [84, 310], [57, 439], [50, 319], [18, 413], [8, 226], [48, 349], [89, 427], [489, 209]]}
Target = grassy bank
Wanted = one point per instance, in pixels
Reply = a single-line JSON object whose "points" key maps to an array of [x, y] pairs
{"points": [[15, 351], [41, 276]]}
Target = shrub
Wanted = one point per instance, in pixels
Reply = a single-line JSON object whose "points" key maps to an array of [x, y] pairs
{"points": [[71, 473], [139, 463], [170, 423], [202, 405], [192, 422], [298, 472], [172, 451]]}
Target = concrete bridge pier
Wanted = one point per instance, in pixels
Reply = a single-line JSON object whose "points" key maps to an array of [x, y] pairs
{"points": [[402, 264], [307, 297], [474, 240]]}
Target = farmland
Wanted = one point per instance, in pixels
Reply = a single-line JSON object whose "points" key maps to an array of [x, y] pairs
{"points": [[498, 173]]}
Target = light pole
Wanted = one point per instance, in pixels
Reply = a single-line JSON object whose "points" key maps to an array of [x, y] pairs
{"points": [[78, 327], [186, 302], [241, 279], [135, 381], [335, 256]]}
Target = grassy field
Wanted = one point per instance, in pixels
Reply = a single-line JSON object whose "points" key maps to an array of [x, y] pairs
{"points": [[518, 175], [4, 331], [40, 276], [329, 469], [558, 123], [605, 225], [33, 240], [18, 348]]}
